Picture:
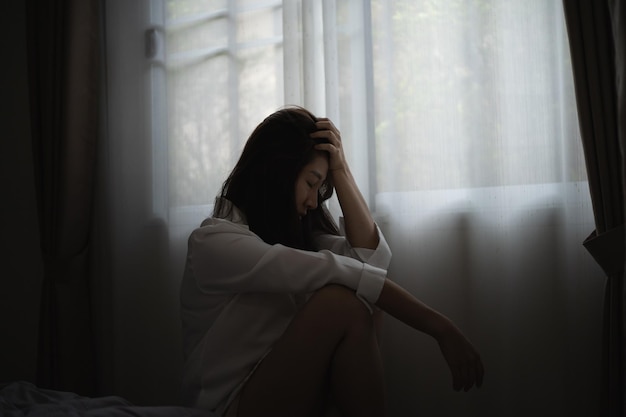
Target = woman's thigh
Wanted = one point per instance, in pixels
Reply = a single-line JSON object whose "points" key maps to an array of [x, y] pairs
{"points": [[293, 379]]}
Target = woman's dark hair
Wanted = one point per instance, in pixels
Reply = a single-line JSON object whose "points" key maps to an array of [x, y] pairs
{"points": [[262, 183]]}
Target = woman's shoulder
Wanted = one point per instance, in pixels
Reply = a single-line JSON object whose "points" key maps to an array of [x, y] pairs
{"points": [[212, 225], [214, 234], [230, 217]]}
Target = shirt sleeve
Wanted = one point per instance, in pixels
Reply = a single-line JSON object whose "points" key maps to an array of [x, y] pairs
{"points": [[379, 257], [225, 257]]}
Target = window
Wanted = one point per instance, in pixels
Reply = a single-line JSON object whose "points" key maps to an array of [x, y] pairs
{"points": [[428, 95]]}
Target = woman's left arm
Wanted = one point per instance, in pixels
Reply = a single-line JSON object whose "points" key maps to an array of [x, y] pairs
{"points": [[361, 230]]}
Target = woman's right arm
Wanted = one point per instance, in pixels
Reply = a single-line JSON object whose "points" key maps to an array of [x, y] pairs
{"points": [[462, 358], [227, 258]]}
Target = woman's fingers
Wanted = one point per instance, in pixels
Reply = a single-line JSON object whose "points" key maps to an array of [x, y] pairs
{"points": [[457, 380], [327, 134], [471, 378], [331, 135], [464, 362], [327, 130], [324, 123], [473, 372], [465, 376]]}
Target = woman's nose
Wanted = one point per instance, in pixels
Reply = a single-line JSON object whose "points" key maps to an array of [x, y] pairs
{"points": [[312, 200]]}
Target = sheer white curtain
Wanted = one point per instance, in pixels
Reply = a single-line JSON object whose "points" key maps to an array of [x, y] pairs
{"points": [[459, 121], [481, 180]]}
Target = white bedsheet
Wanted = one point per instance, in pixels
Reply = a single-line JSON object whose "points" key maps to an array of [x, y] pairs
{"points": [[21, 399]]}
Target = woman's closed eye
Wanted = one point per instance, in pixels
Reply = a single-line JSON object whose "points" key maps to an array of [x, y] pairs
{"points": [[312, 183]]}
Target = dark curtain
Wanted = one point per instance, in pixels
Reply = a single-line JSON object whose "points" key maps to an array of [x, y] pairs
{"points": [[63, 55], [597, 41]]}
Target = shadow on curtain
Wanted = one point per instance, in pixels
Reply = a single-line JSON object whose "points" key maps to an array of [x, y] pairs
{"points": [[63, 57], [597, 33]]}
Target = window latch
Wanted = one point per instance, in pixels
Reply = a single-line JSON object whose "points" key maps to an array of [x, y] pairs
{"points": [[154, 40]]}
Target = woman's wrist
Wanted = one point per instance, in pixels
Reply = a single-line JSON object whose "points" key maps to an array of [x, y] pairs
{"points": [[339, 171], [442, 327]]}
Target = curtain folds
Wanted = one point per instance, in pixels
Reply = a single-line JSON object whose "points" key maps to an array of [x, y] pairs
{"points": [[63, 61], [597, 41]]}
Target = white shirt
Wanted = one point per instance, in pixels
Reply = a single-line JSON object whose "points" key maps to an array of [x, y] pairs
{"points": [[239, 294]]}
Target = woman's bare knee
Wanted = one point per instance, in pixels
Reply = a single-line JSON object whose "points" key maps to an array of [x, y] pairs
{"points": [[339, 305], [296, 372]]}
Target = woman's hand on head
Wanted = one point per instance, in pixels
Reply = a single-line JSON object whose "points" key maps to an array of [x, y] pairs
{"points": [[327, 130], [462, 358]]}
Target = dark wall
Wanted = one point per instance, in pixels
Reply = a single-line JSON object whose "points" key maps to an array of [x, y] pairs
{"points": [[20, 262]]}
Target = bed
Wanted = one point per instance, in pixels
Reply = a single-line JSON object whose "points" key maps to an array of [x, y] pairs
{"points": [[22, 398]]}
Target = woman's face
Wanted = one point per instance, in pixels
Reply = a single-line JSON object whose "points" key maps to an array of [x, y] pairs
{"points": [[308, 183]]}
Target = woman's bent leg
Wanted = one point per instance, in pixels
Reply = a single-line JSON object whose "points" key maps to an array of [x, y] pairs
{"points": [[329, 346]]}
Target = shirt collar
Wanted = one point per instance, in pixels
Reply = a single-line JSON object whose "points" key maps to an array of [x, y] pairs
{"points": [[234, 214]]}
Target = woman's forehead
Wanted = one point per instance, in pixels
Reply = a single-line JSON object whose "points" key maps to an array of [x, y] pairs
{"points": [[318, 166]]}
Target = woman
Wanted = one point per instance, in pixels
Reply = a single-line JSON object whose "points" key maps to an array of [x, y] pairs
{"points": [[278, 307]]}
